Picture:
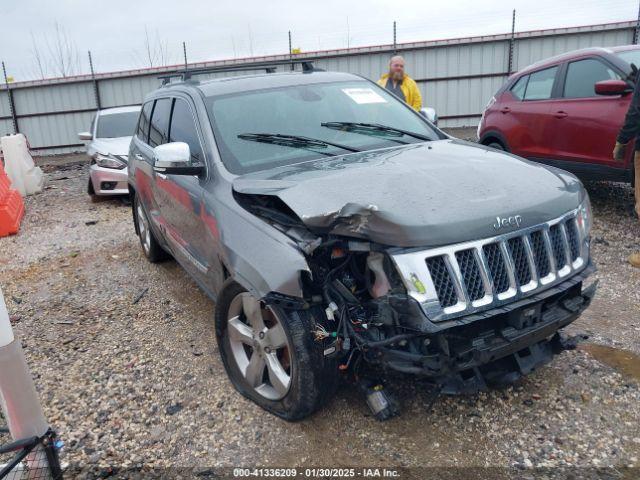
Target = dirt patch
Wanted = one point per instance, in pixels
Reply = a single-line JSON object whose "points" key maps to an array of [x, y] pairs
{"points": [[141, 384]]}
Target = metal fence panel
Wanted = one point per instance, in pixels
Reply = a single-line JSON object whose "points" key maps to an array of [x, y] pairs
{"points": [[455, 76], [126, 91], [531, 50], [56, 130], [6, 127], [53, 98], [5, 111]]}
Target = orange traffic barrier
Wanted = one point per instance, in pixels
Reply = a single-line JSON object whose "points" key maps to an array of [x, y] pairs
{"points": [[11, 206]]}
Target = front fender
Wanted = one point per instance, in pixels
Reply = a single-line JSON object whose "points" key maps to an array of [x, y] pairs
{"points": [[259, 257]]}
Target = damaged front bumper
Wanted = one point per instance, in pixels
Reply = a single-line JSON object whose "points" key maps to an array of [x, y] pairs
{"points": [[495, 348]]}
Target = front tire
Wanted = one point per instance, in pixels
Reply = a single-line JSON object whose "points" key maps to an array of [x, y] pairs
{"points": [[496, 146], [270, 354]]}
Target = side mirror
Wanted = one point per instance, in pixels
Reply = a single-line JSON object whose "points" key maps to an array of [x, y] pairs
{"points": [[612, 87], [85, 136], [174, 159], [430, 114]]}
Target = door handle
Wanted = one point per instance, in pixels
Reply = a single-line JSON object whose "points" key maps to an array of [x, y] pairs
{"points": [[560, 114], [161, 175], [139, 157], [505, 109]]}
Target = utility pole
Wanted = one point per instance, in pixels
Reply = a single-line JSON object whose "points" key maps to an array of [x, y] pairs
{"points": [[96, 90], [12, 106], [636, 31], [184, 50], [512, 42], [291, 52], [348, 34], [394, 38]]}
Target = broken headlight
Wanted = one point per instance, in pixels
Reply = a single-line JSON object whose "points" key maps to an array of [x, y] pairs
{"points": [[585, 217], [108, 161]]}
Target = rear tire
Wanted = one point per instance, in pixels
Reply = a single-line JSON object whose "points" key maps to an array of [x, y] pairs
{"points": [[304, 378], [150, 245]]}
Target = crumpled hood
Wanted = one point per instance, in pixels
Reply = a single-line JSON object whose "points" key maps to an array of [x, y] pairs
{"points": [[425, 194], [113, 146]]}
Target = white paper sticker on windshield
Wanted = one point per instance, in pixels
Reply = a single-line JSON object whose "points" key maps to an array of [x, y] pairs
{"points": [[363, 95]]}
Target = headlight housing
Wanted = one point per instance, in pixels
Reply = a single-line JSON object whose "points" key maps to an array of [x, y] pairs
{"points": [[108, 161], [585, 217]]}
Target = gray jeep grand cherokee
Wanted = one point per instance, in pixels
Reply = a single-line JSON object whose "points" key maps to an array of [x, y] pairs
{"points": [[337, 230]]}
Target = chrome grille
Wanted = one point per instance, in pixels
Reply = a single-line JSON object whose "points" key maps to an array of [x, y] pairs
{"points": [[540, 253], [474, 276], [520, 260], [558, 246], [471, 274], [572, 234], [442, 281], [497, 267]]}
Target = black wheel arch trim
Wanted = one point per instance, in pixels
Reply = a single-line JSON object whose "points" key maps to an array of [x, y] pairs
{"points": [[497, 135]]}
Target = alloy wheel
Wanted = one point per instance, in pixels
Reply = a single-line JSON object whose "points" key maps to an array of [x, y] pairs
{"points": [[259, 346], [143, 228]]}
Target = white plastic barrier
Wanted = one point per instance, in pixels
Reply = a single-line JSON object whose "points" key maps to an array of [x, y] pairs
{"points": [[6, 332], [18, 396], [24, 175]]}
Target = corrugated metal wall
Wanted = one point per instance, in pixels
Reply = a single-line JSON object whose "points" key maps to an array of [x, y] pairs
{"points": [[456, 76]]}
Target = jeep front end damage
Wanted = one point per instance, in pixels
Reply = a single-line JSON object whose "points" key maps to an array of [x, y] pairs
{"points": [[467, 315]]}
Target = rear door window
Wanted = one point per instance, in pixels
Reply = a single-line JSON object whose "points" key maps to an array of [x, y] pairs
{"points": [[142, 131], [582, 76], [540, 84], [159, 131], [183, 129]]}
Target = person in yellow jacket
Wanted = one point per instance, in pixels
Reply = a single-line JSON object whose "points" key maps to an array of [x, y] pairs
{"points": [[400, 84]]}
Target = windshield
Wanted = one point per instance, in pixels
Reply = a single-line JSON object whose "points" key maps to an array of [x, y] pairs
{"points": [[301, 110], [115, 125], [630, 56]]}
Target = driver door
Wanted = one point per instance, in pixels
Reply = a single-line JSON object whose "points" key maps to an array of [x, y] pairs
{"points": [[180, 196]]}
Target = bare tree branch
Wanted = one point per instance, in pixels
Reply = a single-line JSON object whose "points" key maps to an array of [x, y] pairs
{"points": [[150, 51], [155, 50], [40, 63], [62, 52]]}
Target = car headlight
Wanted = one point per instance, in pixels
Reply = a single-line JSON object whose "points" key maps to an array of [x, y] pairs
{"points": [[585, 217], [108, 161]]}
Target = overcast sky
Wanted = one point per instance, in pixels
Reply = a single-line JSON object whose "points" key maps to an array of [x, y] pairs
{"points": [[116, 30]]}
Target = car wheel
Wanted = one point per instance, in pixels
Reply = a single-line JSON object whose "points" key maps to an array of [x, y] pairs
{"points": [[92, 193], [497, 146], [270, 354], [150, 245]]}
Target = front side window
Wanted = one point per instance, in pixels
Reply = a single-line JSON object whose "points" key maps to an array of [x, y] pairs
{"points": [[159, 131], [540, 84], [183, 129], [114, 125], [301, 110], [519, 88], [583, 75], [144, 121]]}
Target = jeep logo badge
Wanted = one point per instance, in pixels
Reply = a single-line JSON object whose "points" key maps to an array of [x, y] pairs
{"points": [[513, 221]]}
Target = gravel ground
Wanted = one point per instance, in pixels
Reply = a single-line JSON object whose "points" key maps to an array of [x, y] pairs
{"points": [[129, 383]]}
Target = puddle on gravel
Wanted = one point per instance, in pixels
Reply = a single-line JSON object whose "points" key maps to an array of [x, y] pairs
{"points": [[624, 361]]}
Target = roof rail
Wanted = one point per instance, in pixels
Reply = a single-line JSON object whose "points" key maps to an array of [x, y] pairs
{"points": [[268, 67]]}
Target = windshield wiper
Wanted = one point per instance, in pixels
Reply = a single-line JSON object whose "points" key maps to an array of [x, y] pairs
{"points": [[294, 141], [357, 127]]}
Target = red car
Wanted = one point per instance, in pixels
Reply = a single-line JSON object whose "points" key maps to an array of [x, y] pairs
{"points": [[566, 111]]}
